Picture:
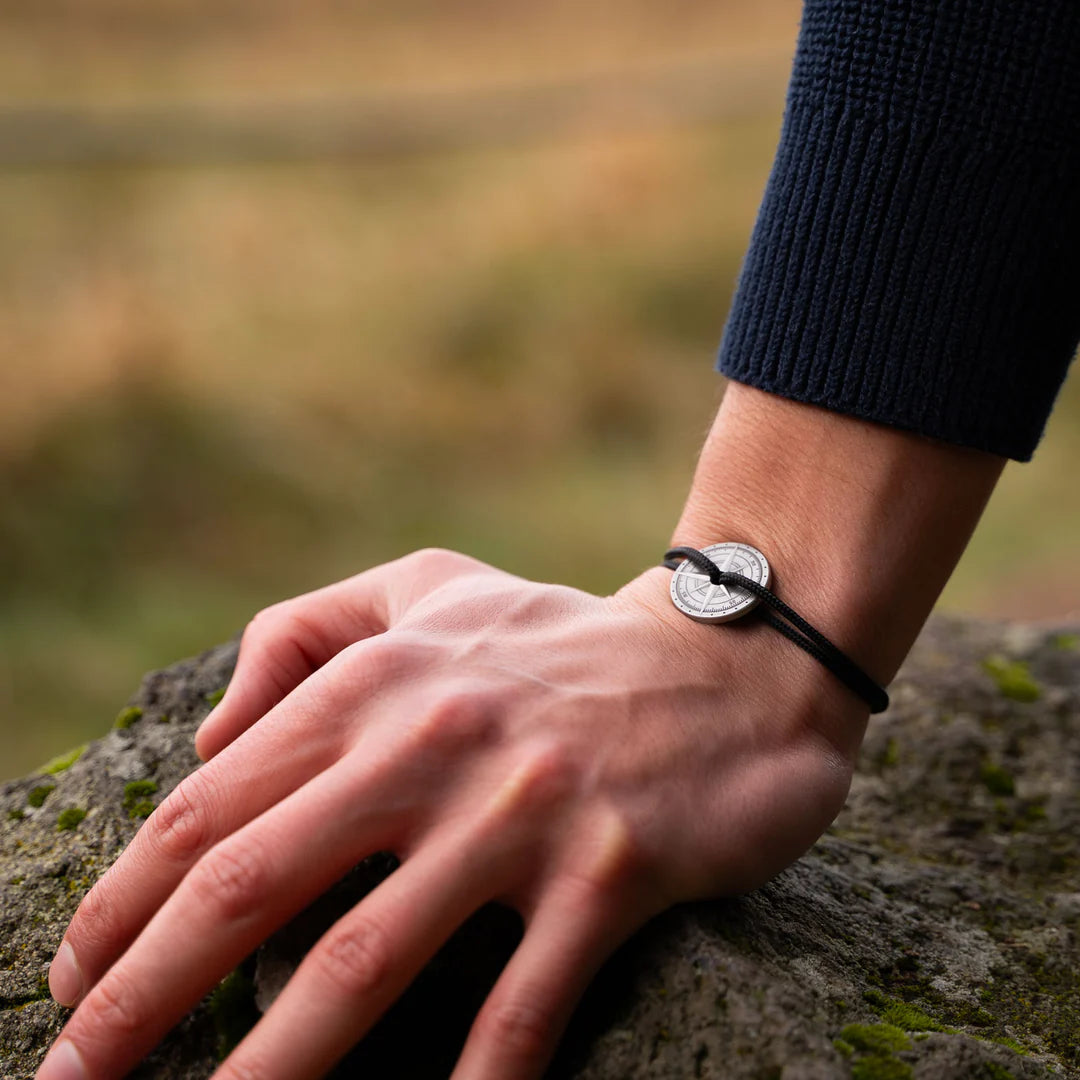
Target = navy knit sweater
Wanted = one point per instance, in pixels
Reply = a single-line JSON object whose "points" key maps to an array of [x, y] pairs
{"points": [[916, 258]]}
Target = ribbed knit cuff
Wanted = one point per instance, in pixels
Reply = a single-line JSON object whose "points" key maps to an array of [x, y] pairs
{"points": [[916, 259]]}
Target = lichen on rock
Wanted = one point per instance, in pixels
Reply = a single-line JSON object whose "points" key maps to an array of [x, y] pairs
{"points": [[931, 934]]}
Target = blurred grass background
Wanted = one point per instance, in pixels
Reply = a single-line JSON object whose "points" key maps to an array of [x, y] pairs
{"points": [[289, 288]]}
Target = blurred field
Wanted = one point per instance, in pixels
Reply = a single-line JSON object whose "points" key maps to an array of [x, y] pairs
{"points": [[225, 381]]}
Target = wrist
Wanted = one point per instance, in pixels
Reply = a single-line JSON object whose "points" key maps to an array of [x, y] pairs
{"points": [[862, 523], [807, 702]]}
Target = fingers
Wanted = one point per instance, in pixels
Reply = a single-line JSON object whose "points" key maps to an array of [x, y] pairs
{"points": [[234, 897], [572, 933], [287, 642], [359, 967], [253, 775], [282, 646]]}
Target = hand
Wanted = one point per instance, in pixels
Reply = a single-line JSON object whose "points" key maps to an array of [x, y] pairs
{"points": [[589, 761]]}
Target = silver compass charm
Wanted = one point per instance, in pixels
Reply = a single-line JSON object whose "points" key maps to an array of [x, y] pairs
{"points": [[695, 595]]}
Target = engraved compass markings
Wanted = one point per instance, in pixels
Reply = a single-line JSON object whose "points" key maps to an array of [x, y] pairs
{"points": [[705, 580], [725, 568], [695, 595], [712, 588]]}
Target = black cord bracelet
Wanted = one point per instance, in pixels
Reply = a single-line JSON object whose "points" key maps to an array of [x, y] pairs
{"points": [[713, 608]]}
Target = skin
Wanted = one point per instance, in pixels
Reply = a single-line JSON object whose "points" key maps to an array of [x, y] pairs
{"points": [[588, 760]]}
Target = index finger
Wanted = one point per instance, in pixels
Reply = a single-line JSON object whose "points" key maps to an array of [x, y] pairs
{"points": [[204, 808], [286, 643]]}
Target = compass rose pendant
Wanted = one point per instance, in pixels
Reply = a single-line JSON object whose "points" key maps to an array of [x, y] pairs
{"points": [[695, 595]]}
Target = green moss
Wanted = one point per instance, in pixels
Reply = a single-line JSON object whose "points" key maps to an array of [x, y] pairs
{"points": [[1029, 815], [70, 818], [1011, 1004], [891, 755], [39, 794], [233, 1011], [16, 1002], [1012, 1044], [996, 780], [215, 697], [907, 1017], [1028, 998], [1069, 642], [15, 815], [137, 800], [1013, 678], [64, 761], [875, 1038], [881, 1068], [164, 718], [992, 1071], [126, 717], [973, 1015], [874, 1048]]}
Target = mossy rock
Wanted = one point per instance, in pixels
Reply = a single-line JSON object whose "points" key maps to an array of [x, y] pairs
{"points": [[932, 934]]}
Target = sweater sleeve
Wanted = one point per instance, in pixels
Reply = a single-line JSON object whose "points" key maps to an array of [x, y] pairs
{"points": [[916, 257]]}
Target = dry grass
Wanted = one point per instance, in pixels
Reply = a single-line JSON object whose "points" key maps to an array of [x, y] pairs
{"points": [[224, 384], [126, 50]]}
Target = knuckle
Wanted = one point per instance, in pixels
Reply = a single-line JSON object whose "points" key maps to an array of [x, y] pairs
{"points": [[384, 653], [245, 1068], [356, 958], [543, 778], [460, 719], [94, 909], [436, 558], [230, 879], [114, 1007], [263, 625], [435, 564], [618, 855], [371, 662], [522, 1029], [283, 643], [272, 615], [181, 826], [94, 924]]}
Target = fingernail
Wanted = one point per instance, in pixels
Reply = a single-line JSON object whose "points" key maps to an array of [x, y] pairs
{"points": [[65, 978], [63, 1063]]}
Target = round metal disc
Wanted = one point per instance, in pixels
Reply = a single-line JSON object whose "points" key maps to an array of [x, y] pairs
{"points": [[695, 595]]}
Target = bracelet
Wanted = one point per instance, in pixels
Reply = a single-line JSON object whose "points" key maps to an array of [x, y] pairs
{"points": [[728, 580]]}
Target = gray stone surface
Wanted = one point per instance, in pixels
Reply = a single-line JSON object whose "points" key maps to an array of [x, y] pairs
{"points": [[932, 933]]}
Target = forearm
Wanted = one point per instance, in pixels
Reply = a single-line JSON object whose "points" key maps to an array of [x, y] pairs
{"points": [[862, 523]]}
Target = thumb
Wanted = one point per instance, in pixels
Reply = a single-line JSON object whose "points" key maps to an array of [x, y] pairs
{"points": [[285, 643]]}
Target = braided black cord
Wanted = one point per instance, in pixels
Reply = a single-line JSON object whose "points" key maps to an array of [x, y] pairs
{"points": [[800, 631]]}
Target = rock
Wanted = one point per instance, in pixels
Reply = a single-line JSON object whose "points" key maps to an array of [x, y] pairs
{"points": [[932, 933]]}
